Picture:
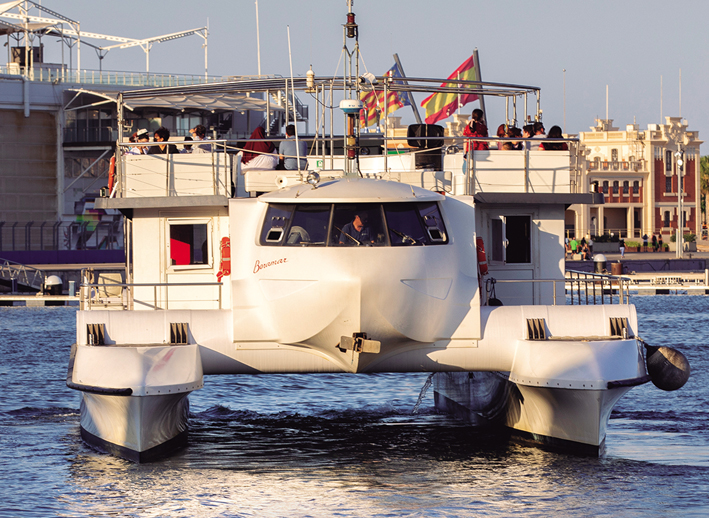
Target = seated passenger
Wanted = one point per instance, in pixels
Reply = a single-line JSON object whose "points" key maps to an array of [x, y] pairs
{"points": [[132, 150], [357, 231], [199, 132], [142, 135], [187, 148], [258, 154], [289, 153], [162, 134], [515, 132], [554, 132]]}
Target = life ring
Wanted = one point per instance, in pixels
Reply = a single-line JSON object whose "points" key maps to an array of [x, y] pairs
{"points": [[482, 258], [111, 174], [225, 262]]}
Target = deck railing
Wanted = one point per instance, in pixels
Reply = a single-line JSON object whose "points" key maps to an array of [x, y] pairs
{"points": [[581, 288], [116, 295]]}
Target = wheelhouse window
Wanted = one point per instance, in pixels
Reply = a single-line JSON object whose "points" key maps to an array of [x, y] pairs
{"points": [[355, 224], [188, 244]]}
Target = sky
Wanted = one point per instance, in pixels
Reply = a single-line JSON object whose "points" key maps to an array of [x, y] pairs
{"points": [[635, 48]]}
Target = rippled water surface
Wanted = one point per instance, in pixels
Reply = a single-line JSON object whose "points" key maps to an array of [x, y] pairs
{"points": [[346, 445]]}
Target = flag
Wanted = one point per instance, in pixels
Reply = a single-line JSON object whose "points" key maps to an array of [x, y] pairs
{"points": [[441, 105], [374, 100]]}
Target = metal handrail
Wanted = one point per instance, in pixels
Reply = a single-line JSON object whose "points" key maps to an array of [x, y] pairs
{"points": [[18, 273], [86, 291], [589, 282]]}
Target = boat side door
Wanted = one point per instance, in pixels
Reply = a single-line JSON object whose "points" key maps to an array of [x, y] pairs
{"points": [[510, 257]]}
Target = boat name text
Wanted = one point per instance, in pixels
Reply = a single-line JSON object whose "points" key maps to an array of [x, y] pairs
{"points": [[260, 266]]}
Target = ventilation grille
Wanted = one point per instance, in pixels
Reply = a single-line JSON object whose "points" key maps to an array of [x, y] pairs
{"points": [[536, 329], [95, 334], [178, 333], [619, 327]]}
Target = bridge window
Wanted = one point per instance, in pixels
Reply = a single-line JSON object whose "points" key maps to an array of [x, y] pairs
{"points": [[355, 224]]}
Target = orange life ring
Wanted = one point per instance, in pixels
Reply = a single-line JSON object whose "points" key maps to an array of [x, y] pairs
{"points": [[111, 174], [482, 258], [225, 262]]}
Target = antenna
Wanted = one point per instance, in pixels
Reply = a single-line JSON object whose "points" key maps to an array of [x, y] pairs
{"points": [[292, 89], [258, 43]]}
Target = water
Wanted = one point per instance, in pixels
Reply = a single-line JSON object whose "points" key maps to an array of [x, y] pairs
{"points": [[346, 445]]}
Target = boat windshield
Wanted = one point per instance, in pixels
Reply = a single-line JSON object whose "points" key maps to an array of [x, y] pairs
{"points": [[353, 224]]}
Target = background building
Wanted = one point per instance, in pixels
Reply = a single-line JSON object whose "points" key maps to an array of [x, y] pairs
{"points": [[638, 173]]}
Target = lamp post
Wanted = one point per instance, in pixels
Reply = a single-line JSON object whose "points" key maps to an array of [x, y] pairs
{"points": [[679, 241]]}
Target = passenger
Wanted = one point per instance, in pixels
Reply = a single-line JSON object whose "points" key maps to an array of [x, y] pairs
{"points": [[142, 136], [554, 132], [538, 133], [199, 132], [527, 131], [357, 231], [133, 150], [162, 134], [515, 132], [289, 154], [187, 148], [476, 128], [258, 154]]}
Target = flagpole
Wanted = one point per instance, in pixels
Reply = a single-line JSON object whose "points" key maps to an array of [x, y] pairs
{"points": [[480, 78], [414, 107]]}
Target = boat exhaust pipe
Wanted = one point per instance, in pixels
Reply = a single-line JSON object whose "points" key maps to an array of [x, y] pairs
{"points": [[668, 368]]}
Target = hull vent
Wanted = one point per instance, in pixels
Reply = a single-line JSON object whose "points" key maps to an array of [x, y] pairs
{"points": [[96, 334], [178, 333], [536, 329], [619, 327]]}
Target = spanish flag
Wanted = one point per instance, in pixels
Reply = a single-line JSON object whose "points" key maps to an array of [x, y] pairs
{"points": [[374, 104], [442, 105]]}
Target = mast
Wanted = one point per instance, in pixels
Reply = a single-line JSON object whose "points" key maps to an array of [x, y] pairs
{"points": [[413, 104]]}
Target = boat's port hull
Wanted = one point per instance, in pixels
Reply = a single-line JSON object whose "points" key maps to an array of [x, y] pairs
{"points": [[137, 428], [563, 418]]}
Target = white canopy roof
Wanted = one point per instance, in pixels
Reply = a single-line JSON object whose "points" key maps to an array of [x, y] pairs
{"points": [[176, 101]]}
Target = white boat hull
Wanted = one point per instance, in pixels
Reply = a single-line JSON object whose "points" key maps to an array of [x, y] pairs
{"points": [[136, 428], [565, 418]]}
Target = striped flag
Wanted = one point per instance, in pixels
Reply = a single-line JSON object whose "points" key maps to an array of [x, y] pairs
{"points": [[442, 105], [374, 101]]}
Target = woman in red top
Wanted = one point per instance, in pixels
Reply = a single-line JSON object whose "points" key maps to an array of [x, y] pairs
{"points": [[476, 128]]}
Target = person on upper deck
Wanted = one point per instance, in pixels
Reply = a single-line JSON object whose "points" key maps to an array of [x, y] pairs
{"points": [[199, 132], [476, 127], [258, 154], [142, 135], [289, 153], [554, 132], [539, 133], [162, 134]]}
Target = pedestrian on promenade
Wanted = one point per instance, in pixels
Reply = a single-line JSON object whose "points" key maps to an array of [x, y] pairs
{"points": [[622, 248], [654, 243], [644, 242], [659, 244]]}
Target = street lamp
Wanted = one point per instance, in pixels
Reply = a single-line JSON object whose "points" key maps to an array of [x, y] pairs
{"points": [[679, 241]]}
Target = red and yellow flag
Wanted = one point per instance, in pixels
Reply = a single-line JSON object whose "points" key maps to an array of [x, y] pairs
{"points": [[374, 104], [442, 105]]}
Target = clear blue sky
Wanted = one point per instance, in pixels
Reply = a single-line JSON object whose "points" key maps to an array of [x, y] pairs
{"points": [[627, 45]]}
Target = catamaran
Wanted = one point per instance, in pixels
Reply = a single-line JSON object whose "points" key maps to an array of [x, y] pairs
{"points": [[396, 261]]}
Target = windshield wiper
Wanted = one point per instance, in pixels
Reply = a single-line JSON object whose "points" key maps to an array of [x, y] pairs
{"points": [[345, 233], [404, 237]]}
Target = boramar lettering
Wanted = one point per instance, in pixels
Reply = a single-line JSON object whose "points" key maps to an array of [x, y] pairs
{"points": [[260, 266]]}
